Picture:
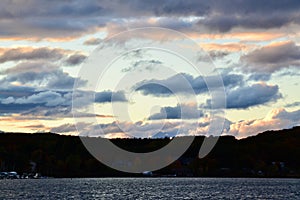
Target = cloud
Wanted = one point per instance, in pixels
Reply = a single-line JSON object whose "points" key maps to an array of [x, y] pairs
{"points": [[29, 53], [54, 79], [40, 20], [282, 114], [237, 25], [143, 64], [70, 128], [253, 95], [15, 91], [47, 98], [75, 59], [260, 76], [39, 56], [30, 102], [129, 129], [36, 127], [52, 104], [290, 72], [44, 9], [154, 129], [224, 23], [39, 74], [65, 128], [109, 96], [218, 54], [31, 66], [224, 16], [61, 80], [92, 41], [14, 108], [67, 20], [175, 84], [226, 47], [46, 113], [169, 112], [248, 96], [272, 58], [276, 119], [220, 50], [295, 104]]}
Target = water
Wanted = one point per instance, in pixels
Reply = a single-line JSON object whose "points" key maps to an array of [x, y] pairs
{"points": [[151, 188]]}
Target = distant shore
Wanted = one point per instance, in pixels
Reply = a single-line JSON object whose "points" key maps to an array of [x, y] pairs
{"points": [[273, 154]]}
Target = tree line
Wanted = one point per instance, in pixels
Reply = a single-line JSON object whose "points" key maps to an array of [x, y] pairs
{"points": [[268, 154]]}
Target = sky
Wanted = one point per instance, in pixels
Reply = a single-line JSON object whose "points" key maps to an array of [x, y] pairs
{"points": [[162, 80]]}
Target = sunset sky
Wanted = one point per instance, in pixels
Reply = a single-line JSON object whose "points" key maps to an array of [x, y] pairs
{"points": [[44, 45]]}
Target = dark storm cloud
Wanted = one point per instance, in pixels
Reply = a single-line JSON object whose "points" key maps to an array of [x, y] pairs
{"points": [[174, 84], [169, 112], [110, 96], [272, 58]]}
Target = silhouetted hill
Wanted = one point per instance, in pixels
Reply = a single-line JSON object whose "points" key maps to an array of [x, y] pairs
{"points": [[269, 154]]}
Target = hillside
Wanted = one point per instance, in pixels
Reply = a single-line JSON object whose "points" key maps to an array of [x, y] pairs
{"points": [[269, 154]]}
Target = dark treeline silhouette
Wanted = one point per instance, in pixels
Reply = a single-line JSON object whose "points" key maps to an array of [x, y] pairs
{"points": [[269, 154]]}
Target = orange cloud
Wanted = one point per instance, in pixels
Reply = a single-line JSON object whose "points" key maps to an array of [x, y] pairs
{"points": [[276, 119], [243, 36], [16, 124], [45, 36], [230, 47]]}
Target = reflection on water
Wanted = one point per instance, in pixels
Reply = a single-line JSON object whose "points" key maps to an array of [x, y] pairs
{"points": [[151, 188]]}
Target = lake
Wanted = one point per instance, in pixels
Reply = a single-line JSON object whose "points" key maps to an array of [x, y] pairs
{"points": [[151, 188]]}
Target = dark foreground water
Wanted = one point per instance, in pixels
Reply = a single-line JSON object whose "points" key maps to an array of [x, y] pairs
{"points": [[151, 188]]}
